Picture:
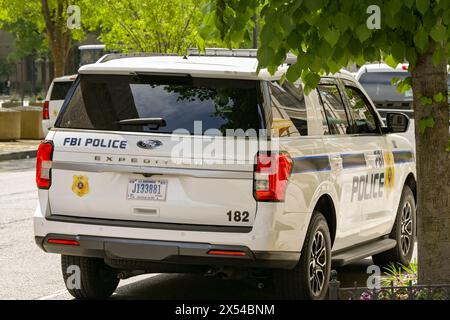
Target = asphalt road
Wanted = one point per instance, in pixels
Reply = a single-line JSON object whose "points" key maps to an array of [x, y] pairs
{"points": [[29, 273]]}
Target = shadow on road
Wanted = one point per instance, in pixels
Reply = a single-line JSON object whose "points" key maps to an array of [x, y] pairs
{"points": [[195, 287]]}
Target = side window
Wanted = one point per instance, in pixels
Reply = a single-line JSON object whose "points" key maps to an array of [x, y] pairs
{"points": [[334, 109], [288, 109], [363, 119]]}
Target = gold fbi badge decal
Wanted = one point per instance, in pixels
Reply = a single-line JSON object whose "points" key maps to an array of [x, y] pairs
{"points": [[389, 175], [80, 185]]}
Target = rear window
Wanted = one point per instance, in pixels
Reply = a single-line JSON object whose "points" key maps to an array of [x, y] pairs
{"points": [[100, 102], [60, 90]]}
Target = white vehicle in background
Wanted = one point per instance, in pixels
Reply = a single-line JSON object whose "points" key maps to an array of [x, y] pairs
{"points": [[376, 80], [54, 100], [271, 183]]}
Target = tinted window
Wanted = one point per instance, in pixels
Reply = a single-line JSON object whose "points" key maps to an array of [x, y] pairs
{"points": [[363, 119], [60, 90], [334, 109], [288, 103], [99, 102], [380, 89]]}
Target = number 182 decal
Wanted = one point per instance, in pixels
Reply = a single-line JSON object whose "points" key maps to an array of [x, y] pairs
{"points": [[238, 216]]}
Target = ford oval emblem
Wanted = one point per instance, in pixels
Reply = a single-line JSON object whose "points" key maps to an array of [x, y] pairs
{"points": [[149, 144]]}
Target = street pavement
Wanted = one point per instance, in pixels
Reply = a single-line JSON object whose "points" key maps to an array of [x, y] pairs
{"points": [[29, 273]]}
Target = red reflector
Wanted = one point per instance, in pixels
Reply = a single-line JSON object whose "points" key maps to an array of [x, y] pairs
{"points": [[272, 173], [63, 242], [45, 111], [44, 165], [227, 253]]}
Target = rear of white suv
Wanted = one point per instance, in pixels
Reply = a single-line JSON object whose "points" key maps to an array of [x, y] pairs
{"points": [[54, 100], [126, 175]]}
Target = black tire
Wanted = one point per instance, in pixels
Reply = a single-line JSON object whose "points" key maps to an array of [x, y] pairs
{"points": [[400, 254], [97, 280], [295, 284]]}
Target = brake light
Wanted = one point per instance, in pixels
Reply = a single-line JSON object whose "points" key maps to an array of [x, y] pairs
{"points": [[45, 111], [272, 171], [44, 165], [227, 253], [63, 242]]}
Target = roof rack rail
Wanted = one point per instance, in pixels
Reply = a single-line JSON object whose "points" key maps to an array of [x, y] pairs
{"points": [[223, 52], [115, 56], [209, 52]]}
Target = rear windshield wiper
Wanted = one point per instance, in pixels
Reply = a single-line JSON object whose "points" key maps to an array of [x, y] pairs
{"points": [[158, 122]]}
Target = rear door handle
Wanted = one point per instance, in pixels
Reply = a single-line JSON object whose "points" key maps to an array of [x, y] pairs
{"points": [[336, 163], [371, 160]]}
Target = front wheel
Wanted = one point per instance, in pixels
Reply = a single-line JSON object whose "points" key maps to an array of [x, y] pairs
{"points": [[88, 278], [309, 279]]}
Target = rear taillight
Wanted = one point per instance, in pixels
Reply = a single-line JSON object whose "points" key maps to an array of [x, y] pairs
{"points": [[227, 253], [45, 111], [272, 171], [64, 242], [44, 165]]}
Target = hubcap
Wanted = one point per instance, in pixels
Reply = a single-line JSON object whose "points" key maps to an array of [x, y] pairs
{"points": [[317, 264], [406, 225]]}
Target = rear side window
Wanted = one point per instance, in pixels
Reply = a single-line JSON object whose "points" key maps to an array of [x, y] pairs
{"points": [[192, 105], [288, 108], [334, 109], [60, 90]]}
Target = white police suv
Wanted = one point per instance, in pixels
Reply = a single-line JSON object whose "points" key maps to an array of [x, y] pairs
{"points": [[200, 164]]}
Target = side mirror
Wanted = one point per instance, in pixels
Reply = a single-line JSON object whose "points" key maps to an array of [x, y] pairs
{"points": [[397, 122]]}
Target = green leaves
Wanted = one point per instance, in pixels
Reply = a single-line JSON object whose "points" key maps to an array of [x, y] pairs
{"points": [[311, 80], [439, 33], [398, 51], [362, 33], [439, 55], [265, 55], [404, 86], [425, 101], [391, 61], [421, 39], [332, 36], [424, 123], [440, 97], [422, 6]]}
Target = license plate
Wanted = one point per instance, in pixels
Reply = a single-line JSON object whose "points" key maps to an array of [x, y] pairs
{"points": [[147, 189]]}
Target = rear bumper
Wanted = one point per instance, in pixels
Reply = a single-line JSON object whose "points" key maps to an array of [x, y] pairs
{"points": [[166, 252]]}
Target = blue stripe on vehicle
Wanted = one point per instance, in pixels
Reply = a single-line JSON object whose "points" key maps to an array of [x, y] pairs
{"points": [[403, 156], [311, 164]]}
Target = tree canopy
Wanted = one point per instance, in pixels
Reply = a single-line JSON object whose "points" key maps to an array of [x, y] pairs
{"points": [[144, 25]]}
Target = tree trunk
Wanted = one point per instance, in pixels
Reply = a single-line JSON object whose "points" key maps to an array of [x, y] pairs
{"points": [[59, 61], [59, 38], [433, 172]]}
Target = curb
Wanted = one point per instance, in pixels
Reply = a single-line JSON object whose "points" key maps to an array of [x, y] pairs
{"points": [[18, 155]]}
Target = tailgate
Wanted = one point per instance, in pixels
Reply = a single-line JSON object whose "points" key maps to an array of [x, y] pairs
{"points": [[147, 177]]}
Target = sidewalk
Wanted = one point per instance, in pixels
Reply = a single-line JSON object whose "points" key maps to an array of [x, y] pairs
{"points": [[20, 149]]}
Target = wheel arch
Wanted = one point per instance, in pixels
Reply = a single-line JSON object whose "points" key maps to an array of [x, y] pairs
{"points": [[325, 205], [411, 182]]}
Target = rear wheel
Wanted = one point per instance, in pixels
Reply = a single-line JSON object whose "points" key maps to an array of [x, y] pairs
{"points": [[96, 279], [309, 279], [404, 232]]}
